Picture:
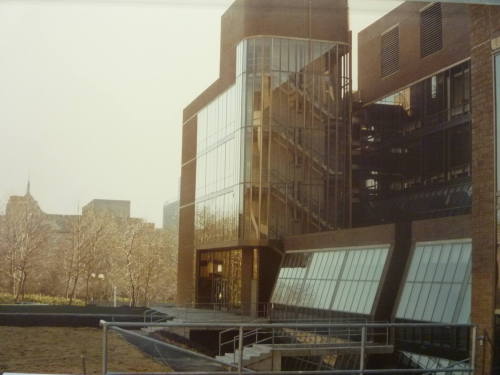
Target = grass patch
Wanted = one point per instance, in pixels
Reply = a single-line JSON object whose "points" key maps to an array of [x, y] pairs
{"points": [[8, 299]]}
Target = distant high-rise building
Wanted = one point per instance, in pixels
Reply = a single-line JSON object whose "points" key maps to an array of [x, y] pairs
{"points": [[171, 216], [117, 208]]}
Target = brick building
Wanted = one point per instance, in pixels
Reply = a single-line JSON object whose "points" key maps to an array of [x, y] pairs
{"points": [[408, 232], [264, 147]]}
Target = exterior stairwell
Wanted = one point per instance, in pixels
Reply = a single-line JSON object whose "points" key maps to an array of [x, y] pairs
{"points": [[333, 346], [253, 356]]}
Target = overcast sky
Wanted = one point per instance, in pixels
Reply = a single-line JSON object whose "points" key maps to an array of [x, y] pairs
{"points": [[92, 92]]}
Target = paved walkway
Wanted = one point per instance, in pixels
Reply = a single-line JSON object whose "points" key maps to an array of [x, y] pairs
{"points": [[192, 315]]}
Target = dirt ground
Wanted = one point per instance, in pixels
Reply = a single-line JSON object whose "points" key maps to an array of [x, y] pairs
{"points": [[60, 350]]}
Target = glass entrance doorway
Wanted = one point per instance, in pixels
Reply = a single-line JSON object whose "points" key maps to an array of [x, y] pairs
{"points": [[219, 278]]}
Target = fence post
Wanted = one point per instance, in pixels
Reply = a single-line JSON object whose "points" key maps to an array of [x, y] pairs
{"points": [[362, 350], [473, 334], [104, 349], [240, 354]]}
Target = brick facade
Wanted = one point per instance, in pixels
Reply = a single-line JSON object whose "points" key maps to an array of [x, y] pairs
{"points": [[485, 25]]}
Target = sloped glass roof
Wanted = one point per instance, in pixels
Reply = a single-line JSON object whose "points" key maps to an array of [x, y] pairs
{"points": [[438, 283], [427, 362], [339, 279]]}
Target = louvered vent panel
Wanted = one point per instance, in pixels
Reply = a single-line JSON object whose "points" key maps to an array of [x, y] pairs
{"points": [[390, 52], [431, 30]]}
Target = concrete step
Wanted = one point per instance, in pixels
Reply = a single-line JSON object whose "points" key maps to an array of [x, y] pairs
{"points": [[263, 348], [252, 353]]}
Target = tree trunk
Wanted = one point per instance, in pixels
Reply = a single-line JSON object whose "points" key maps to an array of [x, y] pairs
{"points": [[73, 290], [87, 282]]}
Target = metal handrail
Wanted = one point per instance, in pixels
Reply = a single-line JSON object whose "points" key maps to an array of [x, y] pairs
{"points": [[149, 314], [364, 340]]}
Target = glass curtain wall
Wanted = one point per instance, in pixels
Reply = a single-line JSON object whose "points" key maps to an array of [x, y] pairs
{"points": [[219, 278], [272, 150], [295, 120], [415, 151], [218, 201], [342, 280]]}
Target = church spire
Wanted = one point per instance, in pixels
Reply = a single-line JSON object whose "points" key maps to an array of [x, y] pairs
{"points": [[28, 187]]}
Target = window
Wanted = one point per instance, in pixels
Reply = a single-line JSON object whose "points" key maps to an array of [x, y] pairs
{"points": [[344, 280], [431, 30], [390, 52], [460, 90], [438, 287], [434, 87]]}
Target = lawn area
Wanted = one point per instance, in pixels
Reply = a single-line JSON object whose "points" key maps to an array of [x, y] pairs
{"points": [[60, 350]]}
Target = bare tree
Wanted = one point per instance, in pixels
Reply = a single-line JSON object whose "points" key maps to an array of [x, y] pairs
{"points": [[144, 263], [131, 242], [25, 236], [85, 257]]}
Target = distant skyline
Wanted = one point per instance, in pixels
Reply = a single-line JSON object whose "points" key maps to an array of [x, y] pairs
{"points": [[92, 95]]}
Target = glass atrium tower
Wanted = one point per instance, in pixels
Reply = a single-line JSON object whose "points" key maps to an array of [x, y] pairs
{"points": [[268, 149]]}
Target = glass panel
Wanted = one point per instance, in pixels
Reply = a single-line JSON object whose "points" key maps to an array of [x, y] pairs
{"points": [[417, 255], [452, 263], [422, 301], [451, 303], [441, 267], [424, 263], [413, 299], [437, 290], [464, 313], [433, 263], [403, 302], [431, 302], [339, 301], [351, 287]]}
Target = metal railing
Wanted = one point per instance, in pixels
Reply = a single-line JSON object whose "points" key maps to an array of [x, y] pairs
{"points": [[315, 336], [361, 337], [151, 315], [212, 311]]}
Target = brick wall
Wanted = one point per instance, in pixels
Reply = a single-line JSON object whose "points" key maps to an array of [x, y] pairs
{"points": [[485, 23], [412, 67]]}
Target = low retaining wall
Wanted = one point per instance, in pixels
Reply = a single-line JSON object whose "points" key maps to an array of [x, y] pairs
{"points": [[66, 316]]}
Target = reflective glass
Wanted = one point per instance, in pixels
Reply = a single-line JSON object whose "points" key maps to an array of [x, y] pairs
{"points": [[436, 287], [427, 362], [337, 279], [235, 153]]}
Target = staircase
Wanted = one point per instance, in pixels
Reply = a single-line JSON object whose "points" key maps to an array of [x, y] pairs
{"points": [[252, 355], [264, 348]]}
